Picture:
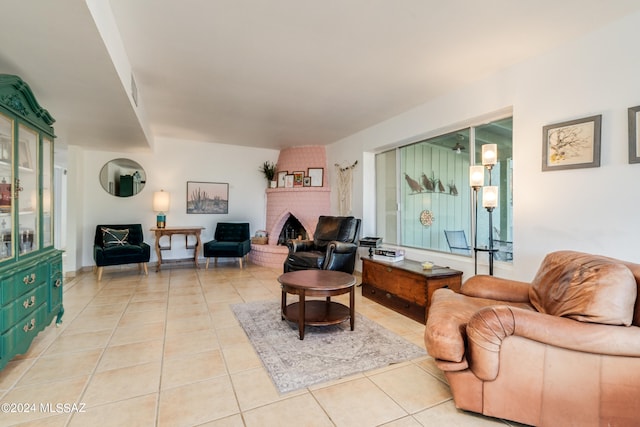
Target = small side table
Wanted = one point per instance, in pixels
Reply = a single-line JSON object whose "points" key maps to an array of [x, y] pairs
{"points": [[171, 231], [317, 283]]}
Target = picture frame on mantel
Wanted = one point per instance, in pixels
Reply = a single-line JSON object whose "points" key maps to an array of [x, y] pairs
{"points": [[572, 145], [281, 176], [634, 134], [316, 175], [298, 179]]}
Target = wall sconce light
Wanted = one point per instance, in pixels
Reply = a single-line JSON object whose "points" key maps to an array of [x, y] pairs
{"points": [[161, 206]]}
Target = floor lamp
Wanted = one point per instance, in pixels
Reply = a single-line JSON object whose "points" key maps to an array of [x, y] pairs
{"points": [[476, 181], [490, 194], [489, 200]]}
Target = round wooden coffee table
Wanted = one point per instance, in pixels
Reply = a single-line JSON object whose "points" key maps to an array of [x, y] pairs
{"points": [[317, 283]]}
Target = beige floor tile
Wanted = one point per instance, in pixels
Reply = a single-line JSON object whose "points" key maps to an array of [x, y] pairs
{"points": [[120, 356], [241, 357], [138, 411], [408, 421], [63, 391], [412, 388], [200, 322], [138, 333], [72, 342], [232, 421], [254, 388], [232, 336], [358, 403], [123, 383], [146, 305], [133, 318], [13, 371], [302, 410], [192, 368], [87, 324], [429, 365], [197, 403], [50, 421], [446, 414], [60, 366], [190, 343]]}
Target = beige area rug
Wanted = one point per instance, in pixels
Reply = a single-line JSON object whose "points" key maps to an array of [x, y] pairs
{"points": [[326, 353]]}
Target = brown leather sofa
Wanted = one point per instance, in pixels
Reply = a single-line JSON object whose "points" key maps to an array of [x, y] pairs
{"points": [[563, 350]]}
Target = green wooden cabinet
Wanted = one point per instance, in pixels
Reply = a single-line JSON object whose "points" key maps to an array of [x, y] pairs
{"points": [[30, 267]]}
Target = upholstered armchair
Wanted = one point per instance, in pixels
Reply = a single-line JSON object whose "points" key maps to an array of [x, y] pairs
{"points": [[231, 240], [120, 244], [334, 246], [561, 350]]}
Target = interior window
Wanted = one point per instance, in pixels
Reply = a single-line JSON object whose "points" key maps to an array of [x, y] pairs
{"points": [[424, 199]]}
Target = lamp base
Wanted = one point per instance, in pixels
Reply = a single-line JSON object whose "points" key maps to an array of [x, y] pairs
{"points": [[161, 221]]}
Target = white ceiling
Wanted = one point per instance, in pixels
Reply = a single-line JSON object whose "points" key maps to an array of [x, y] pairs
{"points": [[274, 73]]}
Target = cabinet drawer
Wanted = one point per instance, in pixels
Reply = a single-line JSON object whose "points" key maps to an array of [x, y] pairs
{"points": [[17, 339], [406, 285], [23, 281], [22, 307], [395, 303]]}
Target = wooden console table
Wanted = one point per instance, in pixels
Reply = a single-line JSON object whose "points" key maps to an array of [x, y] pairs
{"points": [[404, 286], [170, 231]]}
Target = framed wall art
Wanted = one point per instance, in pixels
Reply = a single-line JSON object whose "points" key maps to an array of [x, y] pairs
{"points": [[571, 145], [298, 178], [207, 197], [281, 176], [288, 181], [316, 175], [306, 181], [634, 134]]}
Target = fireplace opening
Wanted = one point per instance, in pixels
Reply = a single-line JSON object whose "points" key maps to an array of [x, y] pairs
{"points": [[292, 229]]}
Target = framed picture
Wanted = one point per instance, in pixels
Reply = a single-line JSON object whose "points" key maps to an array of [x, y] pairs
{"points": [[572, 145], [634, 134], [281, 176], [316, 175], [297, 179], [207, 197], [288, 181], [306, 181]]}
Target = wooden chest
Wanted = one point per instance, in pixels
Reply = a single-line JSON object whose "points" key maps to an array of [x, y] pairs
{"points": [[404, 286]]}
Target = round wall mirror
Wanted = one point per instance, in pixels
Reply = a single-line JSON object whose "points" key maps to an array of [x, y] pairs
{"points": [[122, 177]]}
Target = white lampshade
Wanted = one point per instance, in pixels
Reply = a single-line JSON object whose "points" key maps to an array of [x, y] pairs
{"points": [[161, 201], [476, 176], [489, 154], [490, 196]]}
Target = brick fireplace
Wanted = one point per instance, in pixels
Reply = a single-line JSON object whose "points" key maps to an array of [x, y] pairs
{"points": [[306, 204]]}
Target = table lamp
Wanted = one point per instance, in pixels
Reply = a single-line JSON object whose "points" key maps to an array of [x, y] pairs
{"points": [[161, 205]]}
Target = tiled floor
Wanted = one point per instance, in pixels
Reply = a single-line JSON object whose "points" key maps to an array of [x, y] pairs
{"points": [[166, 350]]}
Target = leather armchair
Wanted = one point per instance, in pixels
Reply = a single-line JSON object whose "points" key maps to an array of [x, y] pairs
{"points": [[119, 244], [334, 246], [231, 240], [561, 350]]}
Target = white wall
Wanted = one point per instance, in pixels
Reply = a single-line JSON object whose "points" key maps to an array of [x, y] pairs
{"points": [[592, 210], [169, 167]]}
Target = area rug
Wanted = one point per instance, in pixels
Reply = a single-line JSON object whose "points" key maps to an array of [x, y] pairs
{"points": [[326, 353]]}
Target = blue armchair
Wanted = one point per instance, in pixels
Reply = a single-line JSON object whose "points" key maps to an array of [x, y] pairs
{"points": [[231, 240], [119, 244]]}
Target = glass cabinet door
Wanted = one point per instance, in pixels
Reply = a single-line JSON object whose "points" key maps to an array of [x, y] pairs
{"points": [[47, 190], [6, 178], [28, 190]]}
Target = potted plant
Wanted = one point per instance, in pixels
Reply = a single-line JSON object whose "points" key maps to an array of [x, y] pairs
{"points": [[269, 171]]}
